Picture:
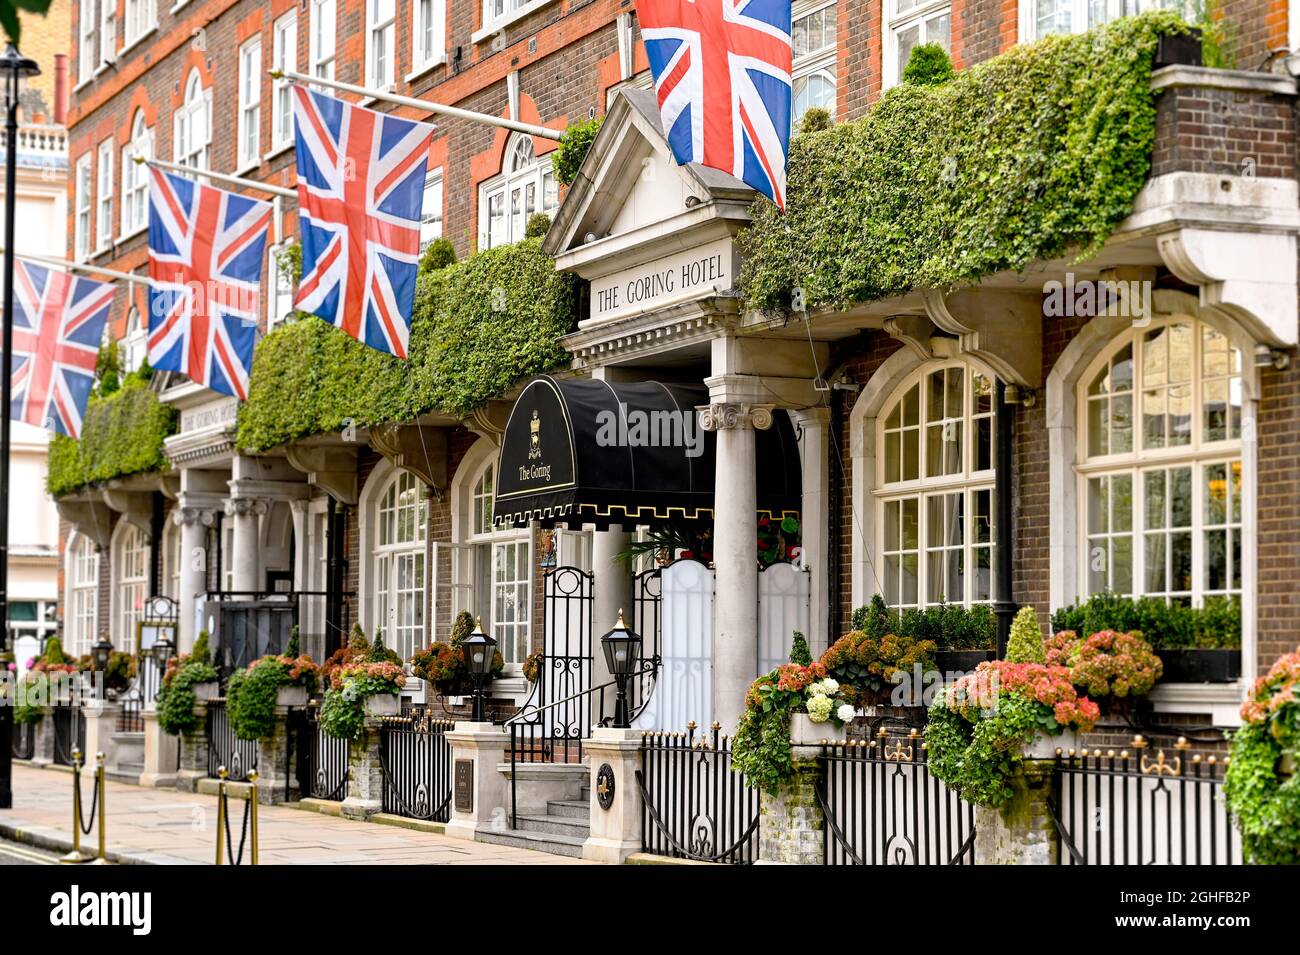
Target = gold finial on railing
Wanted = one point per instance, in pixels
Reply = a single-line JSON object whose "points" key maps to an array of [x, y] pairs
{"points": [[1161, 766], [1138, 742], [899, 753], [691, 725], [1182, 743]]}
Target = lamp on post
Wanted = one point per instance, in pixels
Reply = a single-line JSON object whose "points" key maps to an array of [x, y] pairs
{"points": [[479, 650], [100, 653], [622, 649], [14, 69]]}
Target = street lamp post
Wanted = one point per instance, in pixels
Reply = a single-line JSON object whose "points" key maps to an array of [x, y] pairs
{"points": [[479, 649], [14, 68], [622, 647]]}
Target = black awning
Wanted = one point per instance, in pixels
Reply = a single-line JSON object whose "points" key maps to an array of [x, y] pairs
{"points": [[584, 451]]}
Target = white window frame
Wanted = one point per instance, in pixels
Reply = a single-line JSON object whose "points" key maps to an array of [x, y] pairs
{"points": [[82, 614], [285, 57], [130, 553], [88, 45], [104, 191], [820, 61], [172, 560], [387, 553], [135, 343], [194, 117], [1199, 455], [279, 303], [323, 13], [968, 480], [1080, 10], [381, 76], [250, 104], [108, 31], [521, 168], [491, 549], [83, 192], [135, 178], [921, 14], [428, 35], [141, 17], [431, 206]]}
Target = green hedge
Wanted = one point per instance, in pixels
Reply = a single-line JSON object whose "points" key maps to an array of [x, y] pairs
{"points": [[478, 327], [1026, 156], [122, 434]]}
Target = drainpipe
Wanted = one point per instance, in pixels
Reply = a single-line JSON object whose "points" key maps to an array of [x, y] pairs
{"points": [[60, 88], [156, 533], [834, 503], [1003, 604]]}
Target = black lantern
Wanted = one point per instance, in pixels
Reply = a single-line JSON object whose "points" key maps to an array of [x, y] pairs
{"points": [[479, 650], [100, 653], [622, 649]]}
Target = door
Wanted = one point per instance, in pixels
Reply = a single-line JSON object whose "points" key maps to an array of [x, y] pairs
{"points": [[684, 690]]}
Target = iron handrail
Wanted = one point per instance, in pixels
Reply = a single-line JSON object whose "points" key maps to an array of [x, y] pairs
{"points": [[651, 666]]}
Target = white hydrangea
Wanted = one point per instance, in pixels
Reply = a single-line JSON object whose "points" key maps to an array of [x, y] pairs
{"points": [[845, 713], [832, 686], [819, 708]]}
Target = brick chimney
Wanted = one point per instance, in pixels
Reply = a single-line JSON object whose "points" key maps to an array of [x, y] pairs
{"points": [[60, 88]]}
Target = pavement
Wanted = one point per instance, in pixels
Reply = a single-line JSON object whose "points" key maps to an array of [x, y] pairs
{"points": [[165, 827]]}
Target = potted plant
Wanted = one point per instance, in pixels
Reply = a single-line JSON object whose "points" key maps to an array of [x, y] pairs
{"points": [[983, 725], [254, 695], [443, 663], [1260, 785], [187, 680], [866, 666], [358, 690], [793, 705], [1112, 668]]}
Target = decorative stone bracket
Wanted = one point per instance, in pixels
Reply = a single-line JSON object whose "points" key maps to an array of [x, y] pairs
{"points": [[134, 506], [1002, 328], [416, 448], [90, 519], [332, 469]]}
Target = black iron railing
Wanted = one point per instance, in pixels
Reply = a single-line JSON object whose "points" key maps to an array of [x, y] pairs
{"points": [[884, 807], [1139, 807], [238, 756], [695, 806], [323, 759], [415, 758]]}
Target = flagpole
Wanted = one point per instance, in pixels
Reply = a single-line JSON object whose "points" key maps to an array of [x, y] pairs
{"points": [[220, 177], [422, 104], [78, 267]]}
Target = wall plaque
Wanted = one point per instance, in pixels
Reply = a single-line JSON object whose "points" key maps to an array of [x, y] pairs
{"points": [[464, 785]]}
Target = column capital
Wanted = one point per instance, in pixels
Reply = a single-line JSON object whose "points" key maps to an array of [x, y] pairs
{"points": [[187, 515], [245, 507], [730, 416]]}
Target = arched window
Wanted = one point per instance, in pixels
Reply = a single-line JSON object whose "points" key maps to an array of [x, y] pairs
{"points": [[934, 489], [83, 595], [130, 583], [526, 185], [399, 519], [813, 72], [1160, 417], [135, 345], [135, 176], [500, 572], [193, 129]]}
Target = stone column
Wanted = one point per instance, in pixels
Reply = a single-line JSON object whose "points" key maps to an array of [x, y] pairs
{"points": [[277, 778], [791, 825], [43, 738], [161, 754], [101, 724], [735, 530], [477, 751], [613, 592], [246, 563], [1021, 832], [616, 830], [365, 776], [815, 521], [194, 523], [194, 752]]}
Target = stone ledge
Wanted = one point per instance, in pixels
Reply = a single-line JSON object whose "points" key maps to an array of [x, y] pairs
{"points": [[1245, 81], [648, 858], [404, 822]]}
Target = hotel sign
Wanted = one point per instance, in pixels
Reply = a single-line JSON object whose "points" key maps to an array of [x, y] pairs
{"points": [[703, 270], [221, 411]]}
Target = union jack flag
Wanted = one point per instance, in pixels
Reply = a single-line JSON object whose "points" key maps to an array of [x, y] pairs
{"points": [[360, 189], [58, 325], [722, 76], [206, 248]]}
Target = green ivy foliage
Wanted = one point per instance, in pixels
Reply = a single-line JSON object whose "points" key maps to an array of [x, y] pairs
{"points": [[176, 698], [1264, 803], [478, 327], [122, 433], [979, 760], [573, 149], [1031, 154]]}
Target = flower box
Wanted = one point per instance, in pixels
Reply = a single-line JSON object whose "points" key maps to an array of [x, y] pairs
{"points": [[1043, 746], [207, 692], [1200, 666], [291, 696], [804, 732], [383, 704], [961, 661]]}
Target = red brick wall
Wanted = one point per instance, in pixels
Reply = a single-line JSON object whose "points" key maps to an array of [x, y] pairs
{"points": [[1278, 512], [1224, 132]]}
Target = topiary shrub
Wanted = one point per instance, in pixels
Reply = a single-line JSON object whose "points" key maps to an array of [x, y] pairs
{"points": [[1025, 644], [1261, 785], [815, 119], [568, 156], [1215, 625], [928, 65], [440, 254], [378, 653], [539, 223], [949, 626], [799, 652]]}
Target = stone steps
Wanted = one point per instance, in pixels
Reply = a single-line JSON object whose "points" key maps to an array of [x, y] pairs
{"points": [[570, 808], [556, 845]]}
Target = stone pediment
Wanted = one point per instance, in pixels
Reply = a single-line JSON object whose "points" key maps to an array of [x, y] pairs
{"points": [[632, 205]]}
